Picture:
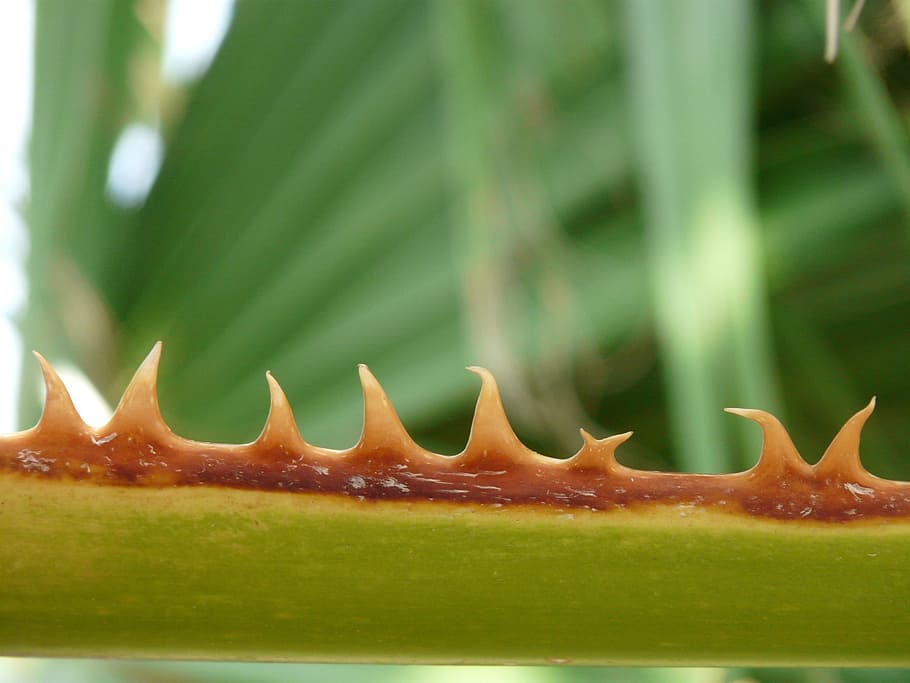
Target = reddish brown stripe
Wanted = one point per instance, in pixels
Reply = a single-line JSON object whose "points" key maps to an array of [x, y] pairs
{"points": [[137, 449], [376, 474]]}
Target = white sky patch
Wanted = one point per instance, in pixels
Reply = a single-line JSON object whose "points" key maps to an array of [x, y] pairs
{"points": [[134, 164], [10, 368], [88, 400], [16, 46], [13, 246], [193, 31]]}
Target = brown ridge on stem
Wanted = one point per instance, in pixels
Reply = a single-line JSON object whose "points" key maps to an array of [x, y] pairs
{"points": [[136, 448]]}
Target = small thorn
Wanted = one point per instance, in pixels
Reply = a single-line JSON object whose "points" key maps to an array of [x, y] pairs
{"points": [[280, 426], [586, 437], [138, 408], [59, 413], [841, 459], [778, 454], [490, 428], [382, 428], [598, 453]]}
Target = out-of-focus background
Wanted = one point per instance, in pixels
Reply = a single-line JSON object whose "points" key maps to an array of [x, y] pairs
{"points": [[635, 213]]}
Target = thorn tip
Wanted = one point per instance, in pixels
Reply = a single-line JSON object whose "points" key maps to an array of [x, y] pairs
{"points": [[778, 453], [280, 426], [841, 458], [382, 428], [59, 413], [490, 428], [598, 453], [138, 406]]}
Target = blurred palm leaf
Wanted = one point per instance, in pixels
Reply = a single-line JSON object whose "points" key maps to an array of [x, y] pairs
{"points": [[423, 185]]}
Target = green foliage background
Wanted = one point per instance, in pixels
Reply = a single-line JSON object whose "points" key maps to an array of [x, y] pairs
{"points": [[635, 213]]}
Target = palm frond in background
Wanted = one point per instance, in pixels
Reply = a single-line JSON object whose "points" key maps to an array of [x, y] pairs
{"points": [[634, 213]]}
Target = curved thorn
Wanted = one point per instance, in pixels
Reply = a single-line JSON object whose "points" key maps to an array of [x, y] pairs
{"points": [[598, 454], [841, 459], [280, 428], [138, 408], [382, 428], [59, 413], [490, 428], [778, 453]]}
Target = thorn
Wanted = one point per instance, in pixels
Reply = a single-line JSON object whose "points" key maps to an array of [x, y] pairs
{"points": [[59, 413], [280, 426], [138, 408], [382, 428], [587, 438], [490, 428], [778, 454], [841, 459], [598, 453]]}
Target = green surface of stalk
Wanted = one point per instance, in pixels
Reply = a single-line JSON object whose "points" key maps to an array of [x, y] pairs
{"points": [[226, 574]]}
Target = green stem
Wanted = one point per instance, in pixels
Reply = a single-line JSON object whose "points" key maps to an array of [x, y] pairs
{"points": [[229, 574]]}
